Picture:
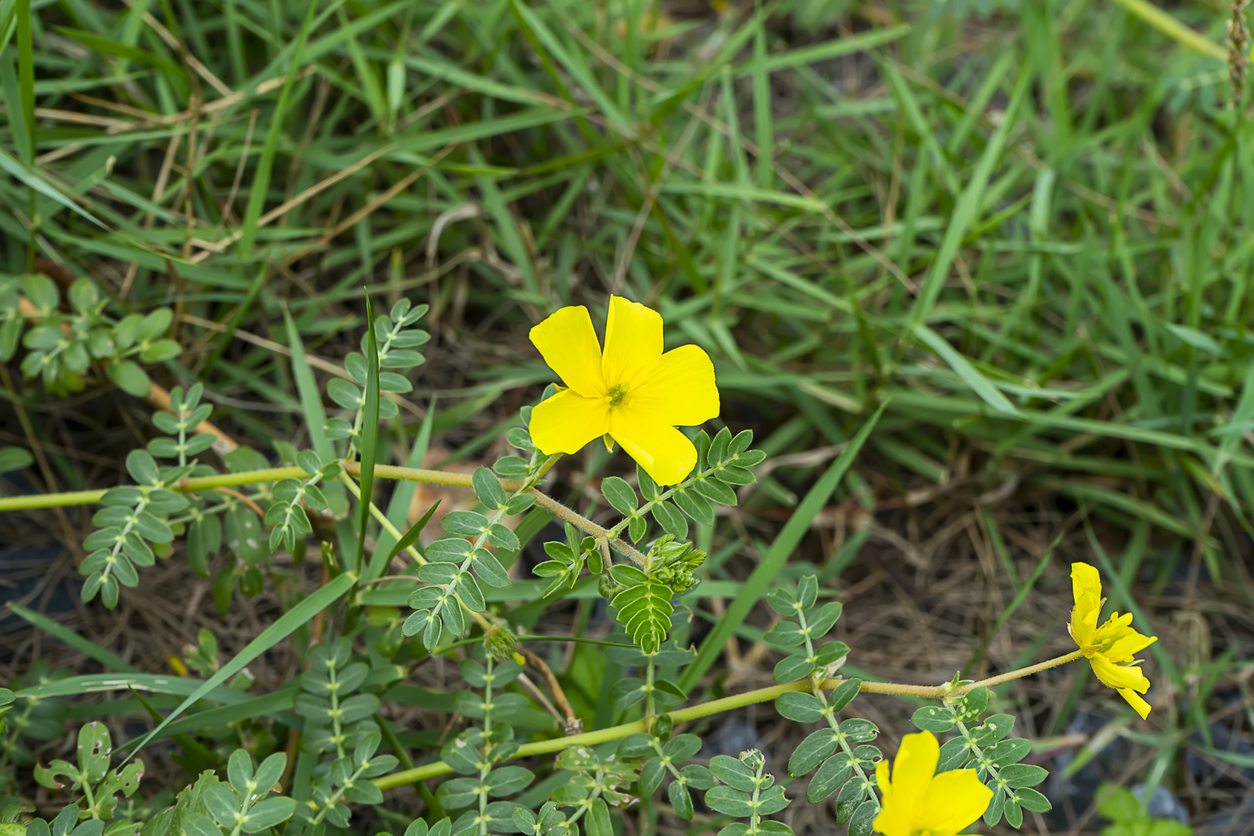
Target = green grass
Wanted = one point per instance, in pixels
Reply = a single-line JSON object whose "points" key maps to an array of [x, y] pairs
{"points": [[1020, 234]]}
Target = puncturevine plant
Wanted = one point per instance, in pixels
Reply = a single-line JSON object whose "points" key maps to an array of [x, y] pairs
{"points": [[320, 754]]}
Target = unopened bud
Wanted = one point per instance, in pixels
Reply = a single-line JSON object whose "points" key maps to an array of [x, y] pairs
{"points": [[500, 642]]}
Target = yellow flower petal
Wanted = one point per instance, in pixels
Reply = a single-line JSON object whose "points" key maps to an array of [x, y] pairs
{"points": [[1085, 581], [913, 769], [567, 421], [890, 820], [664, 452], [1126, 647], [1134, 700], [1119, 676], [568, 343], [679, 390], [1111, 646], [1083, 624], [1087, 587], [954, 800], [1114, 627], [633, 341], [883, 780]]}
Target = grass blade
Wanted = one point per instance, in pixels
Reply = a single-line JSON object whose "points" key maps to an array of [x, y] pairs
{"points": [[572, 63], [277, 705], [94, 683], [369, 432], [1019, 598], [763, 123], [58, 631], [25, 80], [195, 750], [402, 498], [315, 414], [824, 51], [1174, 29], [283, 627], [265, 165], [970, 376], [968, 205], [411, 536], [36, 181]]}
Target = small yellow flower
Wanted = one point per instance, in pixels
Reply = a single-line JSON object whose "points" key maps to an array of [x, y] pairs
{"points": [[633, 393], [918, 802], [1112, 647]]}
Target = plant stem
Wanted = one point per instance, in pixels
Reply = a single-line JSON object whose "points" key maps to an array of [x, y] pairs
{"points": [[695, 712], [50, 500], [464, 568], [817, 688], [274, 474], [1019, 674], [396, 533], [587, 526], [944, 691], [487, 763]]}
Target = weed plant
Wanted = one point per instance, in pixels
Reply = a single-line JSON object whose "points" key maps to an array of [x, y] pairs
{"points": [[991, 244]]}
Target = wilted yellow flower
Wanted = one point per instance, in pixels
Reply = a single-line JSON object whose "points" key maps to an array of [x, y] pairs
{"points": [[1112, 647], [632, 393], [918, 801]]}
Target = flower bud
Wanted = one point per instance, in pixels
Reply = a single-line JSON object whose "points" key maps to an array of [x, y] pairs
{"points": [[500, 641], [673, 563], [607, 586]]}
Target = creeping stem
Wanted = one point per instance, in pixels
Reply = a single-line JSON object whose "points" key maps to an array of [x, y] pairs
{"points": [[946, 692], [274, 474], [706, 709], [414, 474]]}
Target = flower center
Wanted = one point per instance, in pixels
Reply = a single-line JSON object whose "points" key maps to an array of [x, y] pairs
{"points": [[617, 394]]}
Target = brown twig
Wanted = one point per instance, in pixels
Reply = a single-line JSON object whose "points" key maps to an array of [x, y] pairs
{"points": [[538, 695], [573, 724], [253, 505]]}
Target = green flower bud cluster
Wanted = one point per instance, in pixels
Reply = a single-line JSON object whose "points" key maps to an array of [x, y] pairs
{"points": [[673, 563], [500, 641]]}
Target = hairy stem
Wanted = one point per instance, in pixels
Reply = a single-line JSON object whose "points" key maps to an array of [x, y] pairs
{"points": [[1019, 674]]}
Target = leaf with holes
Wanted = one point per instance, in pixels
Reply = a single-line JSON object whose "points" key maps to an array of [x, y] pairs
{"points": [[933, 718], [1009, 751]]}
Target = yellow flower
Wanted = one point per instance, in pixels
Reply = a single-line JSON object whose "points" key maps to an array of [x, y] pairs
{"points": [[632, 393], [1112, 647], [918, 802]]}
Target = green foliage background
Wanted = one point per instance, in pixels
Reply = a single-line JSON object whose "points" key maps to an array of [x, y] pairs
{"points": [[1013, 227]]}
